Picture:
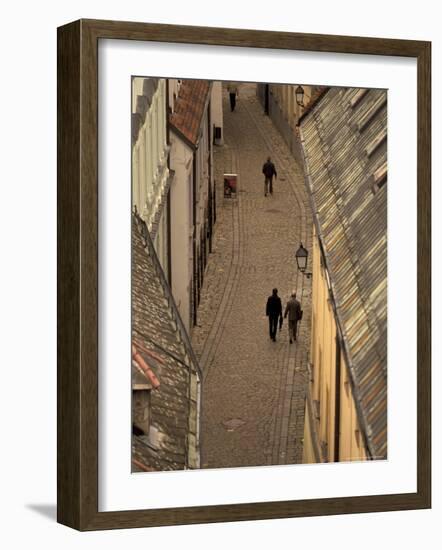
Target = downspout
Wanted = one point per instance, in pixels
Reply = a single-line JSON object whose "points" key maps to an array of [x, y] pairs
{"points": [[169, 228], [199, 405], [195, 306], [195, 275], [209, 193]]}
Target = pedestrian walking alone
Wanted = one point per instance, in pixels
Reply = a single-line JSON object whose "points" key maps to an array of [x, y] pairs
{"points": [[274, 313], [233, 93], [294, 312], [269, 171]]}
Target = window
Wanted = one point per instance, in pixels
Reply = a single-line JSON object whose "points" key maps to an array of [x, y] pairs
{"points": [[328, 420], [374, 145], [318, 381], [379, 178], [372, 112], [358, 438], [359, 95], [144, 380], [142, 169], [141, 408]]}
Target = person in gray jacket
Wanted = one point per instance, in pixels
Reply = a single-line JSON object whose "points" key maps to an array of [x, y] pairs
{"points": [[293, 310]]}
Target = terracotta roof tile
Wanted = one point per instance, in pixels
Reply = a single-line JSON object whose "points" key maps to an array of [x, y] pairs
{"points": [[189, 108]]}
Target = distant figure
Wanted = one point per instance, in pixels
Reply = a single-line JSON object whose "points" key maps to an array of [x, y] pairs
{"points": [[233, 93], [293, 310], [274, 312], [269, 171]]}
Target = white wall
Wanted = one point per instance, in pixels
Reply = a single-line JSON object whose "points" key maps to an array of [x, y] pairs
{"points": [[174, 88], [216, 108], [149, 154], [202, 171], [28, 300], [180, 225]]}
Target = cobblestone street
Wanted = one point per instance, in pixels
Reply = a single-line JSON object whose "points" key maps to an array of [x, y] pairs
{"points": [[253, 388]]}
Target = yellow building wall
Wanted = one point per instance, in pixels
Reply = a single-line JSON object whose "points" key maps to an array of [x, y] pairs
{"points": [[286, 98], [309, 456], [322, 387], [351, 444]]}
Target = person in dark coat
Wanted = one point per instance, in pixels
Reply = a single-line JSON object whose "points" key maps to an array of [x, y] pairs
{"points": [[293, 310], [233, 93], [269, 171], [274, 312]]}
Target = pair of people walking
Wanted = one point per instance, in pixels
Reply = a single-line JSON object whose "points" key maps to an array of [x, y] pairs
{"points": [[274, 312], [269, 171]]}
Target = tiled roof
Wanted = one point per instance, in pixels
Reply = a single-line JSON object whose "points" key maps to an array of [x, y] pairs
{"points": [[140, 378], [317, 93], [189, 109], [345, 151], [142, 364], [157, 340]]}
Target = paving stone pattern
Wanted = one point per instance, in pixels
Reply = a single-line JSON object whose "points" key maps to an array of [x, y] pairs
{"points": [[253, 388]]}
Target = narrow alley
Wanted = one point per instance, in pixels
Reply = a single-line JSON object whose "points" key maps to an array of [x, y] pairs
{"points": [[211, 388], [253, 388]]}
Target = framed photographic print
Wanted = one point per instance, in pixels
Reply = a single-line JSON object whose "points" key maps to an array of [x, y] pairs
{"points": [[243, 275]]}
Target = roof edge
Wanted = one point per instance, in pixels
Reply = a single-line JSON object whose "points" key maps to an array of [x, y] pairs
{"points": [[357, 399], [312, 105]]}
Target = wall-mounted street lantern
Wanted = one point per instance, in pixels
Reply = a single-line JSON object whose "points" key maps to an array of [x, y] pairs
{"points": [[301, 256], [299, 94]]}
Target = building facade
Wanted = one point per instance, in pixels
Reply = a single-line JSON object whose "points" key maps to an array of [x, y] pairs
{"points": [[343, 139], [281, 104], [166, 378], [175, 124], [151, 176], [195, 113], [332, 429]]}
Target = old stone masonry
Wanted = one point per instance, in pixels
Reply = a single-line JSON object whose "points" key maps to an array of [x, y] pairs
{"points": [[253, 388]]}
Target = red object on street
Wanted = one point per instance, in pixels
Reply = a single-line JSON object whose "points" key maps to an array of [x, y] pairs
{"points": [[230, 184]]}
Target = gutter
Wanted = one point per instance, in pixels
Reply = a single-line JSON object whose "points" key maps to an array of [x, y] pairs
{"points": [[184, 138]]}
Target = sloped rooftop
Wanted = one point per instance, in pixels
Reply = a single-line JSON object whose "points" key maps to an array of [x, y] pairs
{"points": [[344, 139], [155, 335], [189, 109]]}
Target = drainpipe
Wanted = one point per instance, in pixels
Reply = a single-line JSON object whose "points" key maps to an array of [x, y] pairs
{"points": [[194, 275], [169, 228]]}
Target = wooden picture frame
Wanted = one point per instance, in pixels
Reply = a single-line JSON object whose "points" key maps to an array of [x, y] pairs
{"points": [[78, 274]]}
